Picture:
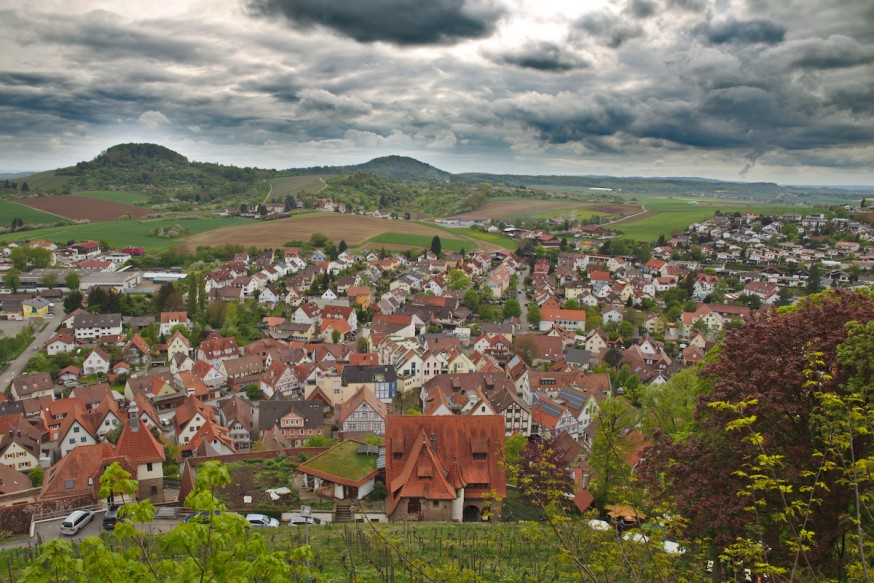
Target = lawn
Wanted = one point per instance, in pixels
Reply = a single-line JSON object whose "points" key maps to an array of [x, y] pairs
{"points": [[343, 461], [124, 233], [423, 241], [115, 196], [12, 210], [493, 238]]}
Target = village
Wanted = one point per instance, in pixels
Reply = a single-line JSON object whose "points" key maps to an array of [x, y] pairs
{"points": [[394, 381]]}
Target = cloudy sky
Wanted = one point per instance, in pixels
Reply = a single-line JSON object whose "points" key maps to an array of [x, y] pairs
{"points": [[778, 90]]}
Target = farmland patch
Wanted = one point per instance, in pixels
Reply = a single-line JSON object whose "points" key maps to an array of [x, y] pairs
{"points": [[79, 207], [10, 210]]}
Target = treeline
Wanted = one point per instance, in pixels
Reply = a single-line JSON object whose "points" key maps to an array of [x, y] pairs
{"points": [[12, 346]]}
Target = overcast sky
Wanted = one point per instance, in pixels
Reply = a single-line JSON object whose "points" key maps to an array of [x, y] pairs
{"points": [[779, 90]]}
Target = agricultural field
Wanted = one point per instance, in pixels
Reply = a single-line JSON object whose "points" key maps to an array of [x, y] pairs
{"points": [[12, 210], [295, 185], [666, 214], [353, 229], [123, 233], [519, 208], [497, 239], [115, 196], [391, 240], [79, 207]]}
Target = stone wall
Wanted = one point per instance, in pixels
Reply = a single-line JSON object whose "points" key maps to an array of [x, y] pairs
{"points": [[16, 519]]}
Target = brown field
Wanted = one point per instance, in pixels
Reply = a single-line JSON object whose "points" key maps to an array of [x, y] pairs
{"points": [[353, 229], [510, 208], [80, 207]]}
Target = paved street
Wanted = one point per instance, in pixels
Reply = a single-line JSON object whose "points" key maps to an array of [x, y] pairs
{"points": [[17, 365], [51, 529]]}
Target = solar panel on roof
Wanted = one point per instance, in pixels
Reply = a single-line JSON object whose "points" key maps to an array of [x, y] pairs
{"points": [[574, 399]]}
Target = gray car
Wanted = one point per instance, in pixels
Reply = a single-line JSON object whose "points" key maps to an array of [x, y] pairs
{"points": [[76, 522]]}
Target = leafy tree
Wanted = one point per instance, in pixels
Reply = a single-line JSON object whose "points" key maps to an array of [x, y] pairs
{"points": [[223, 549], [533, 315], [457, 280], [611, 448], [253, 392], [36, 475], [814, 279], [670, 407], [50, 279], [72, 301], [319, 240], [765, 457], [319, 441], [513, 448], [512, 309], [72, 281], [342, 246], [12, 279], [613, 356], [471, 300], [541, 476], [361, 345], [336, 336], [526, 348], [436, 245]]}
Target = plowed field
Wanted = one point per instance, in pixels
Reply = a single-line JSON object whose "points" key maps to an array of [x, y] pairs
{"points": [[79, 207], [512, 208]]}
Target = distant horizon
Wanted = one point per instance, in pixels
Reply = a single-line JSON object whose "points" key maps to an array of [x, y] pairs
{"points": [[516, 173], [738, 90]]}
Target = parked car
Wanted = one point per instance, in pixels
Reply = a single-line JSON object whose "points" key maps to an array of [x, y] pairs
{"points": [[260, 520], [76, 522], [302, 520], [203, 517], [111, 517]]}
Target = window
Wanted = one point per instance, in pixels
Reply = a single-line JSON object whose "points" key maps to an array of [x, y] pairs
{"points": [[153, 490], [82, 439], [480, 456], [148, 467], [76, 429], [72, 440], [398, 455]]}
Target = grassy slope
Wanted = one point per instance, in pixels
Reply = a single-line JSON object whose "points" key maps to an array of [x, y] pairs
{"points": [[295, 185], [124, 233], [46, 181], [10, 210]]}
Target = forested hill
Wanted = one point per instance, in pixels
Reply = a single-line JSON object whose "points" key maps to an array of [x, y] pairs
{"points": [[150, 167], [397, 168]]}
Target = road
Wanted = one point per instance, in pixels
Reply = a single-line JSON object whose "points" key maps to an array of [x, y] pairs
{"points": [[40, 339], [51, 529], [624, 219], [523, 302]]}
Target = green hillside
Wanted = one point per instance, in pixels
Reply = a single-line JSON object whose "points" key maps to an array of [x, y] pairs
{"points": [[397, 168]]}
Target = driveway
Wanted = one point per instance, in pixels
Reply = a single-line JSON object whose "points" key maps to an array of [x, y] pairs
{"points": [[51, 529], [16, 366]]}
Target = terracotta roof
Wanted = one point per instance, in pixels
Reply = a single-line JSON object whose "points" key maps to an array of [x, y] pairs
{"points": [[139, 445], [84, 464], [444, 446], [167, 317], [362, 395], [138, 342]]}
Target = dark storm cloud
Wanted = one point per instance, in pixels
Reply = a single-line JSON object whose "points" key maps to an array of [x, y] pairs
{"points": [[744, 32], [642, 8], [608, 28], [402, 22], [835, 52], [541, 56]]}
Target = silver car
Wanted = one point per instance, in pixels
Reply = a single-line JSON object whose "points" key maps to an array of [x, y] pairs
{"points": [[76, 522], [260, 520]]}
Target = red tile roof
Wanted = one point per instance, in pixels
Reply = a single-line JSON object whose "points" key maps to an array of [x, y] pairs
{"points": [[139, 445]]}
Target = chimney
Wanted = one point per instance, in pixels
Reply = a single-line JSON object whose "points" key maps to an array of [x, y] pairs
{"points": [[132, 418]]}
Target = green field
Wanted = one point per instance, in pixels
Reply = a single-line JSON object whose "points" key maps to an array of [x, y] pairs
{"points": [[423, 241], [12, 210], [114, 196], [579, 214], [123, 233], [294, 185], [677, 213], [46, 181], [494, 238]]}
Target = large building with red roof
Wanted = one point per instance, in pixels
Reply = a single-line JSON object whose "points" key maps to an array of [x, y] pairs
{"points": [[440, 468]]}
